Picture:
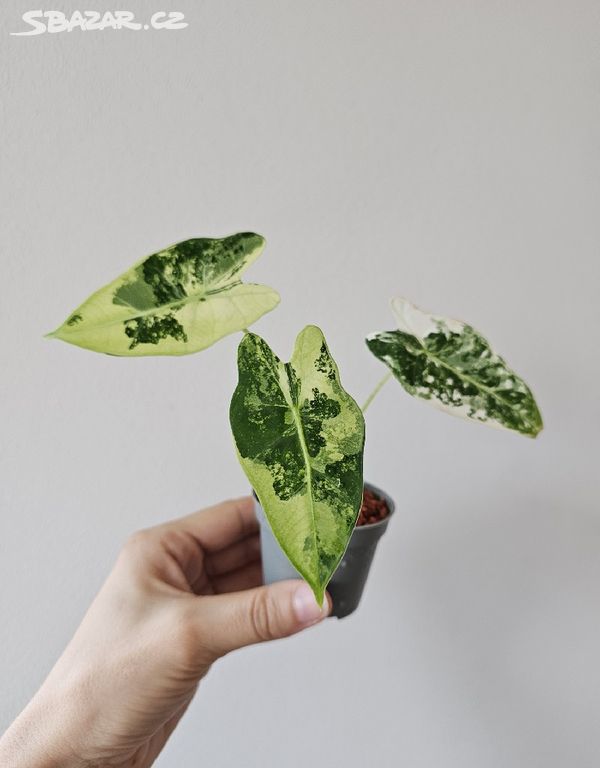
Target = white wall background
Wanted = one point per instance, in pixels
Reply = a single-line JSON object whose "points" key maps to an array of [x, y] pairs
{"points": [[447, 151]]}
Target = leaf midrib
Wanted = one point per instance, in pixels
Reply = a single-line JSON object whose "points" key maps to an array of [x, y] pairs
{"points": [[189, 299], [494, 393], [305, 455]]}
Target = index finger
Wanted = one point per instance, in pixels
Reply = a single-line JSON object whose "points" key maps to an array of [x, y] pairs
{"points": [[221, 525]]}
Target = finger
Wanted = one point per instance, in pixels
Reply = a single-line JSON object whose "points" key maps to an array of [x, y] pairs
{"points": [[219, 526], [167, 553], [247, 577], [233, 557], [265, 613]]}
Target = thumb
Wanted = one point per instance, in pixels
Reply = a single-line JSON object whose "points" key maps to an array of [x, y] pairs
{"points": [[232, 620]]}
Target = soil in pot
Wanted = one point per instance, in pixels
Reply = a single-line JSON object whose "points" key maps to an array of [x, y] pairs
{"points": [[373, 509]]}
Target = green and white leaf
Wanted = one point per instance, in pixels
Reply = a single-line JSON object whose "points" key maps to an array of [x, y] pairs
{"points": [[300, 440], [174, 302], [451, 365]]}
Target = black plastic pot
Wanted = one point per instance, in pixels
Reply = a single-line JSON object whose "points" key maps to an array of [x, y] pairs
{"points": [[348, 581]]}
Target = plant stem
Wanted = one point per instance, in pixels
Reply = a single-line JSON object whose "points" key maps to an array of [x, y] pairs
{"points": [[380, 384]]}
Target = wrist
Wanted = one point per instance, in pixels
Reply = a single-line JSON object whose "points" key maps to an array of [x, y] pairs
{"points": [[40, 737]]}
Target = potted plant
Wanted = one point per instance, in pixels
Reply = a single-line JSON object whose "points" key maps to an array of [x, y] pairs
{"points": [[299, 435]]}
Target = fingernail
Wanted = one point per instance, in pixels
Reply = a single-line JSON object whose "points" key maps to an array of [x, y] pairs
{"points": [[305, 606]]}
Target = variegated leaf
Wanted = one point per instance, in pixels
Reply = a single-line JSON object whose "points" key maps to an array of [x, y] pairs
{"points": [[300, 440], [176, 301], [452, 366]]}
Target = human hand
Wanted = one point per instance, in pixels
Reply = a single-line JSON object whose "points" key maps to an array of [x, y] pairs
{"points": [[180, 596]]}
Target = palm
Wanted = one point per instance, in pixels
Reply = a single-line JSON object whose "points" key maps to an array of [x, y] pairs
{"points": [[160, 578]]}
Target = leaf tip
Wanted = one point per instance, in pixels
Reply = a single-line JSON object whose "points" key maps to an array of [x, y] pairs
{"points": [[55, 334], [399, 304], [313, 329], [253, 240], [318, 592], [537, 428]]}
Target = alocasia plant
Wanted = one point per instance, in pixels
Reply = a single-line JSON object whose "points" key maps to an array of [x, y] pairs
{"points": [[299, 434]]}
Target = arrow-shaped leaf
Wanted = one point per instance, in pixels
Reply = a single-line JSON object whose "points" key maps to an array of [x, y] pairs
{"points": [[176, 301], [300, 440], [451, 365]]}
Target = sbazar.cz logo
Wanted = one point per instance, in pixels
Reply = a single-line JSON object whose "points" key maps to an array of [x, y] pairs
{"points": [[41, 21]]}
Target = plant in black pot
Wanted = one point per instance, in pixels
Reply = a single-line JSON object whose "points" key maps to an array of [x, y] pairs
{"points": [[299, 435]]}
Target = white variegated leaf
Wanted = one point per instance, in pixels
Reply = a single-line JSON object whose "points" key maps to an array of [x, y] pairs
{"points": [[174, 302], [452, 366], [300, 440]]}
